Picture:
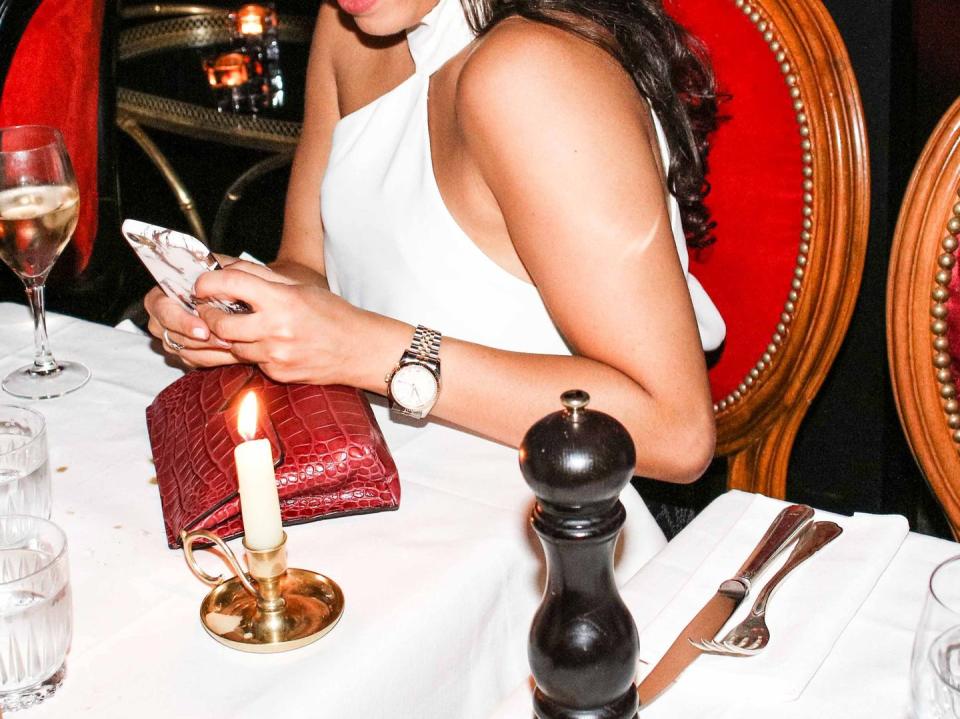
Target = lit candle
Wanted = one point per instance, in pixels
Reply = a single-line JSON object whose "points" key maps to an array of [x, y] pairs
{"points": [[259, 502], [250, 19], [227, 70]]}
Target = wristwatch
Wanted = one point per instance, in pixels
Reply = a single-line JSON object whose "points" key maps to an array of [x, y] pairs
{"points": [[414, 384]]}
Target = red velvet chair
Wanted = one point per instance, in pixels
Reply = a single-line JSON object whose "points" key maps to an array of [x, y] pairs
{"points": [[56, 68], [923, 313], [790, 195]]}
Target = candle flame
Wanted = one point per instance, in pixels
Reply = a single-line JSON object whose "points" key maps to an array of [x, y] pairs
{"points": [[251, 19], [247, 418], [250, 25]]}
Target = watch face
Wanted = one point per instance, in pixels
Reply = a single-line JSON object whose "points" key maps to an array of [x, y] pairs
{"points": [[414, 387]]}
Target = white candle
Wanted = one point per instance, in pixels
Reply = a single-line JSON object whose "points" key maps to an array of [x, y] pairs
{"points": [[259, 502]]}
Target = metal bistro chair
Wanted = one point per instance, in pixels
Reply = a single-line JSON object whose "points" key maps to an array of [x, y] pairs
{"points": [[790, 194], [923, 313]]}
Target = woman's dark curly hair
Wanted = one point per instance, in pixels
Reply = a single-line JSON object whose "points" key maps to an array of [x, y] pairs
{"points": [[669, 66]]}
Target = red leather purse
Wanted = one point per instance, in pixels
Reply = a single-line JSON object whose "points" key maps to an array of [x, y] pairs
{"points": [[330, 455]]}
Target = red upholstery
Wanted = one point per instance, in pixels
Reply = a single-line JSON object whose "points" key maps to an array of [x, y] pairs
{"points": [[54, 80], [953, 317], [757, 196]]}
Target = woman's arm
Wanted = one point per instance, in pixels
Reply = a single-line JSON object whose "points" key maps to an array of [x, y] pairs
{"points": [[301, 247], [566, 144], [563, 140]]}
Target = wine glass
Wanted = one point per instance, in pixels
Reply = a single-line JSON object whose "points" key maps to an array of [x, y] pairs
{"points": [[39, 205]]}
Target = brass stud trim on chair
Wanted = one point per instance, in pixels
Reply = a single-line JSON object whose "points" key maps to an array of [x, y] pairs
{"points": [[768, 31], [942, 359]]}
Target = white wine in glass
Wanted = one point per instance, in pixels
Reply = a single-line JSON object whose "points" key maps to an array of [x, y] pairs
{"points": [[39, 205]]}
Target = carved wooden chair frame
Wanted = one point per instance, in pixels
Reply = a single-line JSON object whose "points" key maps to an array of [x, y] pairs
{"points": [[922, 268], [758, 421]]}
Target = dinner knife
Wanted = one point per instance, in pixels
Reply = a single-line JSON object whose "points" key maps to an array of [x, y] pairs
{"points": [[715, 613]]}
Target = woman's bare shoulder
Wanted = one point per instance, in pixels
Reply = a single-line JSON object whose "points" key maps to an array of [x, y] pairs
{"points": [[524, 76], [521, 37], [523, 55], [525, 70]]}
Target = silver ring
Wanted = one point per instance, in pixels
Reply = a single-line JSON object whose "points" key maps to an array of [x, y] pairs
{"points": [[175, 346]]}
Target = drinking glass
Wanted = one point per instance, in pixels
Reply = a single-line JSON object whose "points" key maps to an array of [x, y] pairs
{"points": [[935, 665], [36, 622], [39, 205], [24, 465]]}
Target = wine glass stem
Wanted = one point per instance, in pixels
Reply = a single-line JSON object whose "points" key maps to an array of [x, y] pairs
{"points": [[43, 361]]}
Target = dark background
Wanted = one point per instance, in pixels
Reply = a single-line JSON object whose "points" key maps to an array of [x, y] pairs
{"points": [[850, 454]]}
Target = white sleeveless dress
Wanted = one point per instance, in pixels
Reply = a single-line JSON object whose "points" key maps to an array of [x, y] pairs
{"points": [[392, 247]]}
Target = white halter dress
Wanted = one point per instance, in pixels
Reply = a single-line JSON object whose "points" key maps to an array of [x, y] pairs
{"points": [[392, 247]]}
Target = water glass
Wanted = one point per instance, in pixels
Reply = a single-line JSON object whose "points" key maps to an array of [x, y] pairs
{"points": [[36, 622], [24, 465], [935, 666]]}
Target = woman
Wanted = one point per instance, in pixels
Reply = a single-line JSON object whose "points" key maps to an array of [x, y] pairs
{"points": [[508, 190]]}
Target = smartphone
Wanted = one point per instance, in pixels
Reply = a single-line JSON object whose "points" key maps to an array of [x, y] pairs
{"points": [[176, 260]]}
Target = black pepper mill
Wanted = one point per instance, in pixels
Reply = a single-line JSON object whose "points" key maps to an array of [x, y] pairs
{"points": [[583, 642]]}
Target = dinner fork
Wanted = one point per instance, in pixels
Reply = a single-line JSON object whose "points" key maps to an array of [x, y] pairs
{"points": [[752, 634]]}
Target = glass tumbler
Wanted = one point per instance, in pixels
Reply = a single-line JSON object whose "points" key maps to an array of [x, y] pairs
{"points": [[36, 622], [24, 465], [935, 665]]}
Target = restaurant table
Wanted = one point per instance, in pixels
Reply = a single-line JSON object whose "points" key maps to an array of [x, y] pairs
{"points": [[439, 594]]}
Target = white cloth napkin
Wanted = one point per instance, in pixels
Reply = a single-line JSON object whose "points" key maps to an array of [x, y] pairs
{"points": [[806, 615]]}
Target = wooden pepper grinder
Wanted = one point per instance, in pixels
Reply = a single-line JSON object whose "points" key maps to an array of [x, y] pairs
{"points": [[583, 643]]}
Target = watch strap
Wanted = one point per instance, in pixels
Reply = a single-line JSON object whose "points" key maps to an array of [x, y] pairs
{"points": [[426, 344]]}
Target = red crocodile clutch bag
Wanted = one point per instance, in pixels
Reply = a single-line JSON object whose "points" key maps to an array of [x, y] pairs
{"points": [[330, 455]]}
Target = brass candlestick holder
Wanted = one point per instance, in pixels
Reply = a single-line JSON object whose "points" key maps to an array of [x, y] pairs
{"points": [[271, 608]]}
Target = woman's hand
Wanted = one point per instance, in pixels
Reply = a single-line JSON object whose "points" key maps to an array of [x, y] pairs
{"points": [[296, 332], [176, 327], [186, 335]]}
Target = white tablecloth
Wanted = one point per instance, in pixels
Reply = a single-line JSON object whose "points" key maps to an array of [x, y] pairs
{"points": [[439, 594]]}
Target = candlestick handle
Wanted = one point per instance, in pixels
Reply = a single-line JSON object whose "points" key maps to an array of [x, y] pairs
{"points": [[227, 555], [270, 608]]}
